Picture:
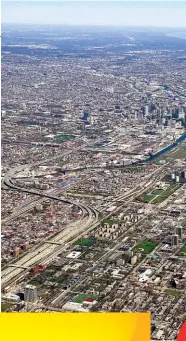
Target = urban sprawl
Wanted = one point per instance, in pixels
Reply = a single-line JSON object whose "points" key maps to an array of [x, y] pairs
{"points": [[94, 176]]}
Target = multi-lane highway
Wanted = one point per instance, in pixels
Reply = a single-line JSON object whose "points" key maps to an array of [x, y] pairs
{"points": [[32, 202], [90, 219], [106, 255], [45, 252], [48, 251]]}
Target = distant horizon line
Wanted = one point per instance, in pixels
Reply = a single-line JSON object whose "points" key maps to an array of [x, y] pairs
{"points": [[92, 25]]}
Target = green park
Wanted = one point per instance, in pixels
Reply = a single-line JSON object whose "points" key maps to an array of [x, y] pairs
{"points": [[158, 195], [182, 252], [146, 246], [84, 297], [85, 242]]}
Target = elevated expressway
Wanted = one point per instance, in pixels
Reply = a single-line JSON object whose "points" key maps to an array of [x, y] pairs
{"points": [[89, 216], [49, 249]]}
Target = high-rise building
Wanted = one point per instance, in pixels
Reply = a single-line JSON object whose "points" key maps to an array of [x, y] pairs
{"points": [[30, 293], [179, 231], [181, 114], [165, 105], [91, 120], [177, 178], [174, 240], [173, 176], [183, 174], [163, 120], [146, 110]]}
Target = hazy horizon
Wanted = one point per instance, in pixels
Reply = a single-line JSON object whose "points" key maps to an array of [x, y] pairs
{"points": [[160, 14]]}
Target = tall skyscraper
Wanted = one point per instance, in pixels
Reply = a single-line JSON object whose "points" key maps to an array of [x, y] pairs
{"points": [[183, 174], [146, 110], [179, 231], [174, 240], [30, 293]]}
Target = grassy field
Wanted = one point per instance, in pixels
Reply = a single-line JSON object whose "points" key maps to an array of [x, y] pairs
{"points": [[146, 246], [172, 292], [36, 282], [157, 191], [151, 195], [179, 153], [165, 194], [83, 297], [64, 138], [183, 251], [157, 196], [85, 242], [148, 197], [110, 222], [47, 275], [5, 306]]}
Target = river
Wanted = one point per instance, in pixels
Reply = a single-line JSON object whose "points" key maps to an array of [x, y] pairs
{"points": [[166, 149]]}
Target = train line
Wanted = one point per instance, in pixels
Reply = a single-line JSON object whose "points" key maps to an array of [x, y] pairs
{"points": [[46, 252]]}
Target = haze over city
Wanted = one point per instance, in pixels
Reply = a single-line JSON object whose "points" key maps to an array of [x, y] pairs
{"points": [[93, 174], [112, 13]]}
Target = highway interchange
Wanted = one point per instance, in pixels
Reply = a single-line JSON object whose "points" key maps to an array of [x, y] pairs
{"points": [[90, 220]]}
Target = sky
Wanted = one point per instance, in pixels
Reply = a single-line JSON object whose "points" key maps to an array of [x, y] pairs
{"points": [[109, 13]]}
